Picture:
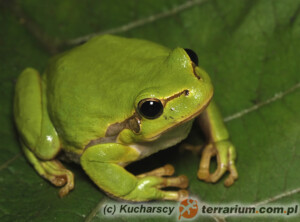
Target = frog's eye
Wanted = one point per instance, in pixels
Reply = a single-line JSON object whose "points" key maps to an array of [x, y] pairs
{"points": [[193, 56], [150, 108]]}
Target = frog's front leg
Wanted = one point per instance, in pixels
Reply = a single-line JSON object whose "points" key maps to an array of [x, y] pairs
{"points": [[104, 165], [219, 145]]}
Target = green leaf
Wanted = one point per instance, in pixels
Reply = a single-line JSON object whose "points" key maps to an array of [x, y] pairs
{"points": [[250, 48]]}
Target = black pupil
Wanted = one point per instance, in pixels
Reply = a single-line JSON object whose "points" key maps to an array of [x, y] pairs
{"points": [[193, 56], [151, 109]]}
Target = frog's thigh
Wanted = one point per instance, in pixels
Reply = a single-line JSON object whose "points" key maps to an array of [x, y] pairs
{"points": [[31, 116], [51, 170]]}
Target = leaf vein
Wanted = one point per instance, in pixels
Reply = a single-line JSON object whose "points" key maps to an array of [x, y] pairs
{"points": [[138, 23], [219, 219], [276, 97], [277, 197], [5, 164]]}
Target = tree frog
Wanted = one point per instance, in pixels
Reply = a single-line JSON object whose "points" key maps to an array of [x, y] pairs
{"points": [[115, 100]]}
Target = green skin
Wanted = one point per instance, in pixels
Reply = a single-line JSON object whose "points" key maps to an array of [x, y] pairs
{"points": [[86, 104]]}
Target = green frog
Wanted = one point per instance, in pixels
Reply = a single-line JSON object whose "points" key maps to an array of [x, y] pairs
{"points": [[113, 101]]}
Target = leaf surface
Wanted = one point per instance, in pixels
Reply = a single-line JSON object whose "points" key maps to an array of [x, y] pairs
{"points": [[249, 48]]}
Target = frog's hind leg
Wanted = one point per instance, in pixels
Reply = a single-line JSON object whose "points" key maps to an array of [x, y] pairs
{"points": [[51, 170], [31, 116], [39, 139]]}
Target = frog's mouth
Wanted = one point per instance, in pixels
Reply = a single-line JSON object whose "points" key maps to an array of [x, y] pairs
{"points": [[178, 123]]}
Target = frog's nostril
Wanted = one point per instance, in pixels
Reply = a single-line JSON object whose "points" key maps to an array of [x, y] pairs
{"points": [[186, 92]]}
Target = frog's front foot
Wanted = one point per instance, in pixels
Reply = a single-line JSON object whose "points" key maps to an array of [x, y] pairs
{"points": [[149, 185], [225, 153], [103, 163]]}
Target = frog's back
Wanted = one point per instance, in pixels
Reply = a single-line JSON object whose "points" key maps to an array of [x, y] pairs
{"points": [[95, 85]]}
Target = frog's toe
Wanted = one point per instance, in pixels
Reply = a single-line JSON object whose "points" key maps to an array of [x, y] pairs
{"points": [[57, 180], [150, 188], [232, 176], [175, 195], [182, 195], [181, 182], [57, 174], [167, 170], [65, 180], [229, 181], [203, 172], [218, 173], [66, 189]]}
